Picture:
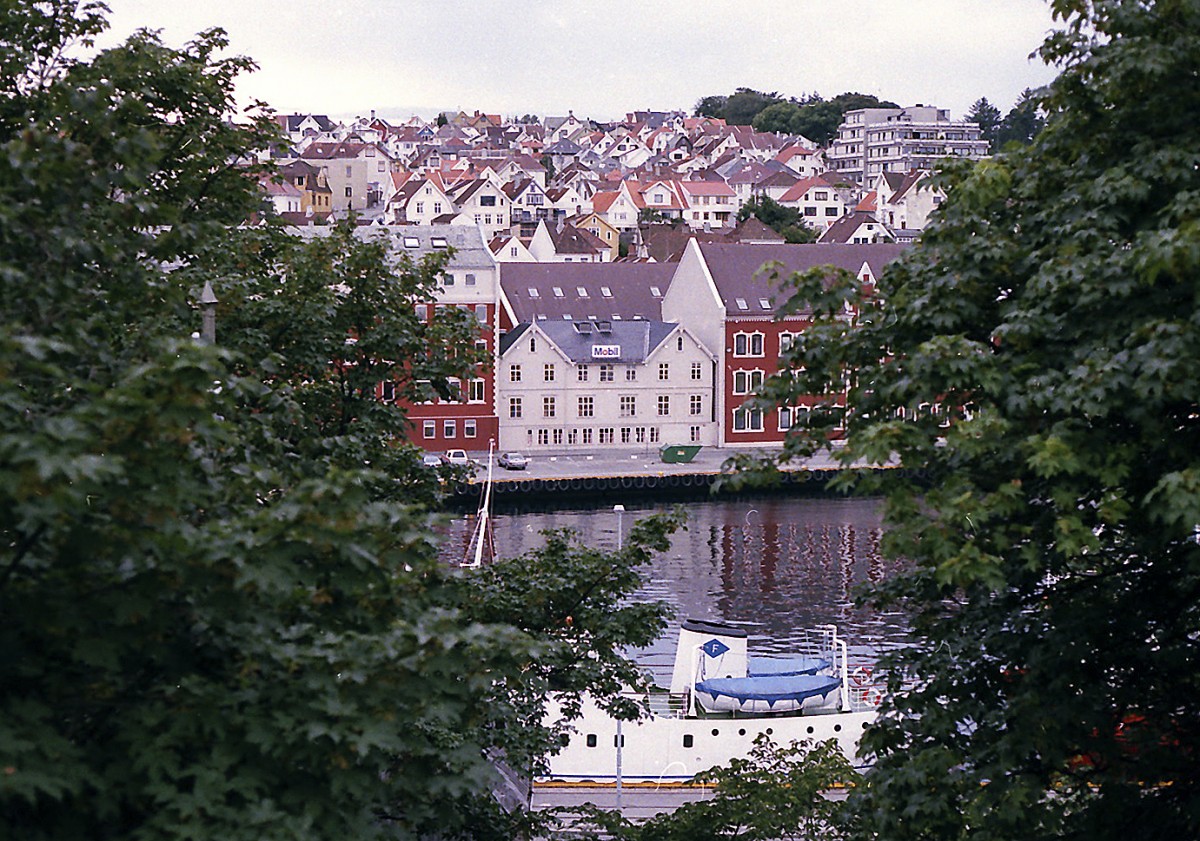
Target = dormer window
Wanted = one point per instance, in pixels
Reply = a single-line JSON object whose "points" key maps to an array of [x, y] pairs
{"points": [[582, 292], [533, 293], [764, 303], [412, 242], [605, 291], [741, 303], [654, 290], [438, 242], [558, 293]]}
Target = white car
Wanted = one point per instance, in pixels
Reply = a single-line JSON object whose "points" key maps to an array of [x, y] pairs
{"points": [[455, 457], [512, 461]]}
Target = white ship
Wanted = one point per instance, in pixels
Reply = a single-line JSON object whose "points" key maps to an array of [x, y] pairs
{"points": [[720, 699]]}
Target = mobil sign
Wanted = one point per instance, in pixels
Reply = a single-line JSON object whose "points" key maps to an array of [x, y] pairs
{"points": [[606, 351]]}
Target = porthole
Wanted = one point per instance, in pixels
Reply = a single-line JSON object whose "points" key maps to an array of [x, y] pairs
{"points": [[742, 731], [864, 725], [591, 740], [810, 730], [688, 740], [770, 731], [716, 732], [837, 728]]}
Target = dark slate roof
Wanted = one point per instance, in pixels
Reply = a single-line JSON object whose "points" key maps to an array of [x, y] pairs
{"points": [[844, 229], [470, 251], [630, 287], [636, 339], [735, 268]]}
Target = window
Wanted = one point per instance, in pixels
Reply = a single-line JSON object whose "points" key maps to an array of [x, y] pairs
{"points": [[349, 192], [449, 429], [747, 420], [572, 437], [697, 371], [695, 404], [469, 428], [448, 279], [543, 436], [664, 405], [429, 429], [587, 436], [631, 374], [533, 344], [639, 435], [349, 172], [547, 407], [605, 291], [606, 435], [785, 341], [664, 371], [626, 436], [606, 372], [514, 407], [747, 382], [514, 373], [387, 391], [693, 434], [470, 281], [581, 291], [679, 343], [557, 290], [587, 407], [747, 344], [628, 406], [548, 372], [557, 435], [487, 201], [786, 417], [475, 393], [810, 210], [654, 435], [821, 196], [831, 211], [581, 373]]}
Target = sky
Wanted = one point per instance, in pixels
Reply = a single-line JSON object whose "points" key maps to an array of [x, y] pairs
{"points": [[345, 58]]}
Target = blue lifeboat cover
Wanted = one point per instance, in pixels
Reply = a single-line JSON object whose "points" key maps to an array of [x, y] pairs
{"points": [[779, 666], [770, 689]]}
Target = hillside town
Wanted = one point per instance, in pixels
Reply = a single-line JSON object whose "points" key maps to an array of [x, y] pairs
{"points": [[614, 276]]}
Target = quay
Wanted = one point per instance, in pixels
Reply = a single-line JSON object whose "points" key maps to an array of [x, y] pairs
{"points": [[628, 471]]}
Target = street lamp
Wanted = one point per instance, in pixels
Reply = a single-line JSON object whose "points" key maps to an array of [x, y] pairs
{"points": [[208, 308], [619, 509]]}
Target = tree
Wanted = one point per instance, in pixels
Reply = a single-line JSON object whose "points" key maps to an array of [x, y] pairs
{"points": [[813, 117], [987, 117], [710, 106], [783, 220], [1022, 124], [224, 615], [1029, 368]]}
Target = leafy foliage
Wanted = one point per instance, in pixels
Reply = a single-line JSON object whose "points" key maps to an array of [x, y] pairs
{"points": [[813, 117], [1021, 124], [224, 615], [1029, 368], [787, 221]]}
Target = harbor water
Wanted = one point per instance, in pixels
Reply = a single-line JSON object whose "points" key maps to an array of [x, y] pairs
{"points": [[775, 565]]}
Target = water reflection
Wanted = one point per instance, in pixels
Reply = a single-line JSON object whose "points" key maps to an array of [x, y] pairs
{"points": [[775, 565]]}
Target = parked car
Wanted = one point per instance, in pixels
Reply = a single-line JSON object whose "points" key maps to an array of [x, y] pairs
{"points": [[512, 461], [431, 460], [455, 457]]}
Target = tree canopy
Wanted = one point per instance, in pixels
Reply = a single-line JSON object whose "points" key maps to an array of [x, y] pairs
{"points": [[810, 116], [224, 615], [1030, 370], [787, 221]]}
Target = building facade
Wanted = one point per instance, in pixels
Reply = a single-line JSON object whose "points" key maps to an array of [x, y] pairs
{"points": [[871, 141]]}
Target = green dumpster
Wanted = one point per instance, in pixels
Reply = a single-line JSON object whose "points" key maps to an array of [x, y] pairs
{"points": [[679, 453]]}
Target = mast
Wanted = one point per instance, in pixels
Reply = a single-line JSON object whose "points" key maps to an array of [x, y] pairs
{"points": [[483, 539]]}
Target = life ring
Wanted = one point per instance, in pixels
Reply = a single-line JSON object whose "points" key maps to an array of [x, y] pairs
{"points": [[872, 696], [576, 484], [626, 482], [861, 676], [639, 482], [589, 484], [687, 480], [526, 486]]}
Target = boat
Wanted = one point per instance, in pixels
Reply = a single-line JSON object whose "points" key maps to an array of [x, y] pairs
{"points": [[721, 698]]}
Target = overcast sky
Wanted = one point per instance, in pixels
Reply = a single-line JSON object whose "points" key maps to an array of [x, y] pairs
{"points": [[603, 59]]}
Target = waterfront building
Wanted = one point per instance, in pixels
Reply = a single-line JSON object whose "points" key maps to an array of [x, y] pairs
{"points": [[725, 297]]}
